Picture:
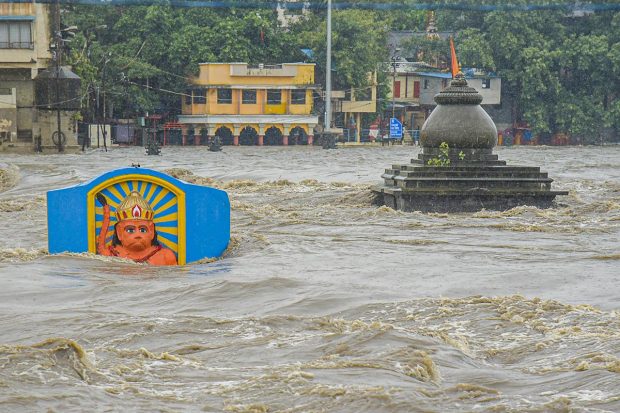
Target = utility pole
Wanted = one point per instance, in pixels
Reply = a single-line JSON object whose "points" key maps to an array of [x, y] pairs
{"points": [[394, 63], [58, 54], [104, 108], [125, 87], [328, 74], [393, 83], [98, 117]]}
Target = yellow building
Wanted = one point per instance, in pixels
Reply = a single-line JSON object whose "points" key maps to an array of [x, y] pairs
{"points": [[352, 103], [251, 105]]}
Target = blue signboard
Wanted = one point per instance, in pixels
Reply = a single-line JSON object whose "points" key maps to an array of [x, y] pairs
{"points": [[396, 129]]}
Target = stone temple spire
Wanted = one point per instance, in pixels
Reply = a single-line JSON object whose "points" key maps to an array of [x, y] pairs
{"points": [[431, 27]]}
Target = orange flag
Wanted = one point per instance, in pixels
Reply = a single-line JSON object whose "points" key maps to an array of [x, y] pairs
{"points": [[453, 61]]}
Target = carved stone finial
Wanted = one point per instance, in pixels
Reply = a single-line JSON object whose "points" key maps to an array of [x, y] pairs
{"points": [[458, 93]]}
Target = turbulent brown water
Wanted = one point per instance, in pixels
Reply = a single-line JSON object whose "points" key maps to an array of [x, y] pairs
{"points": [[323, 302]]}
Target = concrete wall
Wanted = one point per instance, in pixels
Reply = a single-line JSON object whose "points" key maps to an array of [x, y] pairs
{"points": [[429, 87], [47, 124], [491, 95], [19, 79]]}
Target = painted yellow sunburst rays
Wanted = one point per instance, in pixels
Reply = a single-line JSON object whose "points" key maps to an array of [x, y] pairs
{"points": [[165, 206], [159, 197]]}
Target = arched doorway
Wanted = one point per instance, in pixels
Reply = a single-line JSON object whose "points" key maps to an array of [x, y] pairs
{"points": [[204, 134], [298, 136], [248, 136], [225, 135], [273, 136]]}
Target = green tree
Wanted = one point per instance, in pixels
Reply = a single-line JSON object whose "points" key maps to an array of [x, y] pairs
{"points": [[560, 70], [474, 50], [358, 45]]}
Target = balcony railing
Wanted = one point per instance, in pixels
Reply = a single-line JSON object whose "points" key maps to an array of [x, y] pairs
{"points": [[382, 135], [17, 45], [279, 70], [266, 67]]}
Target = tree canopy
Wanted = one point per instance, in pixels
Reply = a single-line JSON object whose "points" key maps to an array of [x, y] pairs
{"points": [[560, 68]]}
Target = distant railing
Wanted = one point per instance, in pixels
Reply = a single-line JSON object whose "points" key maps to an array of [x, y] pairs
{"points": [[350, 135]]}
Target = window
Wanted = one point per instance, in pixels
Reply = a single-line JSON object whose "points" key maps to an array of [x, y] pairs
{"points": [[248, 97], [224, 96], [416, 89], [274, 97], [199, 96], [396, 89], [188, 97], [16, 35], [298, 97], [486, 83], [426, 85]]}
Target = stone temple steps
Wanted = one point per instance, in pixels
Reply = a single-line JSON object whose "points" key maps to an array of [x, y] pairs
{"points": [[467, 177], [458, 171], [447, 177], [465, 185]]}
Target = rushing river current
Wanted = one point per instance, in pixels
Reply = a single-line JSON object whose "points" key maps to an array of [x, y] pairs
{"points": [[323, 302]]}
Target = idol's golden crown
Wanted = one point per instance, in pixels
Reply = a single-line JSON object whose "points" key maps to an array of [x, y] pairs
{"points": [[134, 207]]}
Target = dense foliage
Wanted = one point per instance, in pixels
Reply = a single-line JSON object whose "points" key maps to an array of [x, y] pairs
{"points": [[560, 69]]}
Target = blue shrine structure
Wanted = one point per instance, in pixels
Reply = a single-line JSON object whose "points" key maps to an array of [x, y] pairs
{"points": [[191, 220]]}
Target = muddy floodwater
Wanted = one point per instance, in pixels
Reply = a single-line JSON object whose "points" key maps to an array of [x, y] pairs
{"points": [[323, 302]]}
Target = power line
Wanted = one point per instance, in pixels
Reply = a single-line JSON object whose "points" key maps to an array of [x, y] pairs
{"points": [[50, 104], [252, 4], [158, 89]]}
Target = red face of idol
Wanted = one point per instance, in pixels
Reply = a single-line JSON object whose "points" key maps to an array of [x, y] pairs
{"points": [[135, 234]]}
